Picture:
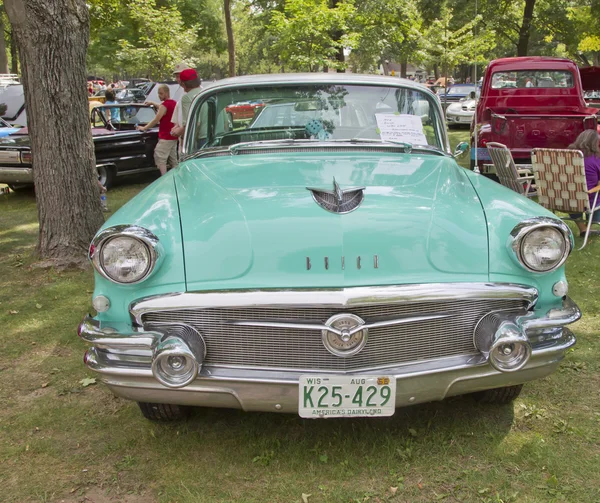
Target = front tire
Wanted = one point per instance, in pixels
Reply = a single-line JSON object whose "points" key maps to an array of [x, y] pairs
{"points": [[106, 175], [498, 396], [163, 411]]}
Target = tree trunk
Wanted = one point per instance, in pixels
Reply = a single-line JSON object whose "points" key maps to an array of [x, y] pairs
{"points": [[52, 37], [14, 58], [3, 57], [230, 40], [403, 67], [525, 31]]}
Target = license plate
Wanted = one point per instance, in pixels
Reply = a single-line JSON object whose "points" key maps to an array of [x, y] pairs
{"points": [[482, 154], [346, 396]]}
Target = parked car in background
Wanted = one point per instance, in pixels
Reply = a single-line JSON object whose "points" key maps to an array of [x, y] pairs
{"points": [[6, 129], [130, 94], [120, 149], [334, 262], [462, 112], [544, 108], [455, 93], [244, 110], [13, 98], [590, 82]]}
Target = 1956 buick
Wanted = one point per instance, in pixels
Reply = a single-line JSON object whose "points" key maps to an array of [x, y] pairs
{"points": [[329, 258]]}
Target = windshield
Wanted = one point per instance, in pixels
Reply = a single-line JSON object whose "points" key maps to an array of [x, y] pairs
{"points": [[325, 112], [124, 117], [12, 101], [532, 78], [461, 89]]}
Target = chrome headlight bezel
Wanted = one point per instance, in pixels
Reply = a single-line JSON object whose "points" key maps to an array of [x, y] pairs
{"points": [[140, 234], [519, 234]]}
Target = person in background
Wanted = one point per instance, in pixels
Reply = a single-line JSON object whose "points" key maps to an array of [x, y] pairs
{"points": [[165, 152], [191, 87], [179, 67], [528, 82], [113, 114], [588, 143]]}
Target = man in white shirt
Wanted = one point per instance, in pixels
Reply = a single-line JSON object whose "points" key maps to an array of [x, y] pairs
{"points": [[190, 82]]}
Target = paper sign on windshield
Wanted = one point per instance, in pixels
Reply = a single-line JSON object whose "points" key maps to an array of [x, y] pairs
{"points": [[401, 127]]}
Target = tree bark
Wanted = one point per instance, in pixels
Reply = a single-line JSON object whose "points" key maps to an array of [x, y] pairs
{"points": [[52, 37], [230, 39], [403, 68], [3, 57], [525, 30]]}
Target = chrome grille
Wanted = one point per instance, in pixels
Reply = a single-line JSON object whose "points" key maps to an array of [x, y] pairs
{"points": [[302, 349]]}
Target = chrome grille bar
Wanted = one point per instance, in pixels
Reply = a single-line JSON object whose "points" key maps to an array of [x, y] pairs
{"points": [[282, 336]]}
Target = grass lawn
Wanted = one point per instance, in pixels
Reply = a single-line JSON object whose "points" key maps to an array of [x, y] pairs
{"points": [[63, 441]]}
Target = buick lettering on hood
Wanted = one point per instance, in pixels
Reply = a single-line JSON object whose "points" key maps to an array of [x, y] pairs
{"points": [[326, 257]]}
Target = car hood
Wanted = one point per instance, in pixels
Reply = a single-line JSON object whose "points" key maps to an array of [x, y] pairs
{"points": [[248, 221]]}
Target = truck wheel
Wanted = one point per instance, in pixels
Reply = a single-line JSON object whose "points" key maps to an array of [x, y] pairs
{"points": [[16, 187], [163, 411], [106, 175], [498, 396]]}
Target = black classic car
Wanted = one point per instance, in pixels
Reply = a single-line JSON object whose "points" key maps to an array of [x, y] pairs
{"points": [[120, 148]]}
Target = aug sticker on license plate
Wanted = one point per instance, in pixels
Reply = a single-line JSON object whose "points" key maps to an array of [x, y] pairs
{"points": [[346, 396]]}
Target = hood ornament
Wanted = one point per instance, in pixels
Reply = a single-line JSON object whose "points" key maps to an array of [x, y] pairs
{"points": [[338, 200]]}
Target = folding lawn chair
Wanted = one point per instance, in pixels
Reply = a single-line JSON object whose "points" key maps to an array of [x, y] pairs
{"points": [[519, 180], [561, 184]]}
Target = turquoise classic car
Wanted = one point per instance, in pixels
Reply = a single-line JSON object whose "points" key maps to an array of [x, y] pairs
{"points": [[327, 258]]}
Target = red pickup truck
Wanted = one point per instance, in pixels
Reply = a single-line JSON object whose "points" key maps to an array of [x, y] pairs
{"points": [[529, 102]]}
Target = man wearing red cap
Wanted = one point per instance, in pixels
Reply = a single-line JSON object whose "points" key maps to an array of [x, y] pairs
{"points": [[191, 86]]}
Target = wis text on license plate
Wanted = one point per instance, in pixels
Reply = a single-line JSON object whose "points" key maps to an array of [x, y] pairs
{"points": [[323, 396]]}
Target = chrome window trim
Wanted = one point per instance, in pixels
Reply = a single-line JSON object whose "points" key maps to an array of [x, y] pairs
{"points": [[522, 229], [338, 298], [143, 235]]}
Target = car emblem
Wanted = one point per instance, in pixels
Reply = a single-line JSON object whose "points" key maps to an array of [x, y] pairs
{"points": [[347, 337], [338, 200]]}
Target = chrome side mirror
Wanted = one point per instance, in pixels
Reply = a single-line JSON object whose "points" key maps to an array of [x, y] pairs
{"points": [[461, 149]]}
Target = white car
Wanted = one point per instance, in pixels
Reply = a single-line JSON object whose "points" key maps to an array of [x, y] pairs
{"points": [[461, 113]]}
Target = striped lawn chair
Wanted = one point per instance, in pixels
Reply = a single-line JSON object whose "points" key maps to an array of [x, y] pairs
{"points": [[561, 185], [509, 175]]}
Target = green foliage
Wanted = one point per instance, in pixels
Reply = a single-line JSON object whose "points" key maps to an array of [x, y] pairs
{"points": [[449, 47], [304, 31], [145, 37], [389, 30], [161, 42]]}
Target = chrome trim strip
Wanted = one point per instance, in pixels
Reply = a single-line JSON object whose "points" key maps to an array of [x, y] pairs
{"points": [[522, 229], [143, 235], [328, 328], [98, 363], [339, 298], [90, 331], [16, 175]]}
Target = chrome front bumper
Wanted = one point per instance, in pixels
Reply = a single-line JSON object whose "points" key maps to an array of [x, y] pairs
{"points": [[123, 357], [16, 175]]}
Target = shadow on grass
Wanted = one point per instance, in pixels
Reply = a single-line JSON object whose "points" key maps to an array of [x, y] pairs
{"points": [[414, 428]]}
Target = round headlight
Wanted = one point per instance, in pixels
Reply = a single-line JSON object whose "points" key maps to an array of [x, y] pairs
{"points": [[541, 245], [543, 249], [126, 254], [125, 259]]}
